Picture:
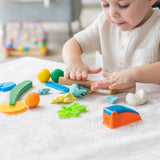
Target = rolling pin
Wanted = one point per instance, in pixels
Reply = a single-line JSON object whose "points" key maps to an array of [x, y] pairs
{"points": [[87, 83]]}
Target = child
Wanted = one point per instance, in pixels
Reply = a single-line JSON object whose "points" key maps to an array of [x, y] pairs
{"points": [[127, 34]]}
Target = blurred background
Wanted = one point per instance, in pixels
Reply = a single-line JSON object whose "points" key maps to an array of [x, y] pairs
{"points": [[41, 27], [23, 20]]}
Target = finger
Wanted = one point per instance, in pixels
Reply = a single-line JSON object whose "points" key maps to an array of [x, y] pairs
{"points": [[94, 70], [99, 85], [78, 76], [73, 75], [112, 87], [84, 76], [66, 74], [116, 86], [106, 74], [94, 86]]}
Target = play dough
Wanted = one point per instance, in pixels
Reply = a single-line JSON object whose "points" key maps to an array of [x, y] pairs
{"points": [[18, 90], [43, 75], [16, 108], [67, 98], [78, 91], [56, 74], [32, 99], [139, 98], [6, 86]]}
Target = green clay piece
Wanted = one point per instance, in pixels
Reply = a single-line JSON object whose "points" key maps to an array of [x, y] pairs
{"points": [[56, 74], [71, 111], [18, 90]]}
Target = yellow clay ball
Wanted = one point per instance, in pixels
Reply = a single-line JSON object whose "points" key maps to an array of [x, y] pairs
{"points": [[43, 75], [32, 99]]}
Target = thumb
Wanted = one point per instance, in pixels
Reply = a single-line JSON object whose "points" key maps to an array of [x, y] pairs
{"points": [[94, 70], [106, 74]]}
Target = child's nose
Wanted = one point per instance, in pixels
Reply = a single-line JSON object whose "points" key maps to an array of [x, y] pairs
{"points": [[114, 13]]}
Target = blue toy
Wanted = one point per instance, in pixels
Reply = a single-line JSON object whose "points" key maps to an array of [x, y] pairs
{"points": [[117, 115], [6, 86], [57, 86], [111, 99], [78, 91], [43, 91]]}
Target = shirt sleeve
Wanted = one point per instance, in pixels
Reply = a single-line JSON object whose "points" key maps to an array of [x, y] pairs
{"points": [[89, 39]]}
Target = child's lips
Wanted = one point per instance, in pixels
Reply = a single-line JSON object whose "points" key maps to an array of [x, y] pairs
{"points": [[119, 24]]}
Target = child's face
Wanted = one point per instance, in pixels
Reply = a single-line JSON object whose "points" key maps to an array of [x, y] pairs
{"points": [[127, 14]]}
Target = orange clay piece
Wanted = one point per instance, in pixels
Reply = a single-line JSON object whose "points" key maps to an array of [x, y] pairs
{"points": [[18, 107], [116, 116], [32, 99]]}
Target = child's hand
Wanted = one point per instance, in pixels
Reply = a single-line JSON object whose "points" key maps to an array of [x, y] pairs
{"points": [[116, 81], [79, 71]]}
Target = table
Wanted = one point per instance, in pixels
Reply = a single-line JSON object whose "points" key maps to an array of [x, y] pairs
{"points": [[39, 134]]}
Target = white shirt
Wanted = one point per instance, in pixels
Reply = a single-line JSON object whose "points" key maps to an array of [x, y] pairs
{"points": [[122, 49]]}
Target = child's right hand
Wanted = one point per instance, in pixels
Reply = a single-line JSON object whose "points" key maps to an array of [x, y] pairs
{"points": [[116, 81], [79, 71]]}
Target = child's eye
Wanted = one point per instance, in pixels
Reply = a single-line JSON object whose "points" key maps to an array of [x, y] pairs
{"points": [[105, 5], [123, 6]]}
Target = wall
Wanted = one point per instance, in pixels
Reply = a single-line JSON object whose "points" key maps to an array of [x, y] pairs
{"points": [[90, 1]]}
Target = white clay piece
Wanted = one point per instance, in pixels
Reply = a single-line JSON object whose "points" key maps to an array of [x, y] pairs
{"points": [[139, 98]]}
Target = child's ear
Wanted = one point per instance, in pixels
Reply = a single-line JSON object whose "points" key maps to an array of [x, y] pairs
{"points": [[152, 2]]}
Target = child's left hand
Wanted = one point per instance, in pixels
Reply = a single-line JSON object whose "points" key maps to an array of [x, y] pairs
{"points": [[116, 81]]}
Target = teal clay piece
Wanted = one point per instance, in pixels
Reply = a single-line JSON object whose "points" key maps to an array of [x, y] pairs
{"points": [[18, 90], [43, 91], [56, 74], [111, 99], [78, 91], [71, 111]]}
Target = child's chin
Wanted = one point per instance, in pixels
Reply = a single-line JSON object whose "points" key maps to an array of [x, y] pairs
{"points": [[125, 29]]}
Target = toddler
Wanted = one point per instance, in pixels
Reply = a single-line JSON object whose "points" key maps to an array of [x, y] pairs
{"points": [[127, 34]]}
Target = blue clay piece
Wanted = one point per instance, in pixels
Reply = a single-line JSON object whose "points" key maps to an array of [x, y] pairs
{"points": [[111, 99], [57, 86], [78, 91], [6, 86], [43, 91]]}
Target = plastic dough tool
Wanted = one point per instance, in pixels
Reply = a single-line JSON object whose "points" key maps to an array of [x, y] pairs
{"points": [[116, 115], [57, 86], [14, 106]]}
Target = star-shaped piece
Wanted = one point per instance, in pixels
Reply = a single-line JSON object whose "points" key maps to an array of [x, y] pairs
{"points": [[71, 111]]}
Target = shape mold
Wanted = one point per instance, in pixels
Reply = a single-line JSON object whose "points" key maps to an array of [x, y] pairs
{"points": [[117, 115]]}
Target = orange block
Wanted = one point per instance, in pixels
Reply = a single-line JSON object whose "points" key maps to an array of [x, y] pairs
{"points": [[117, 115]]}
